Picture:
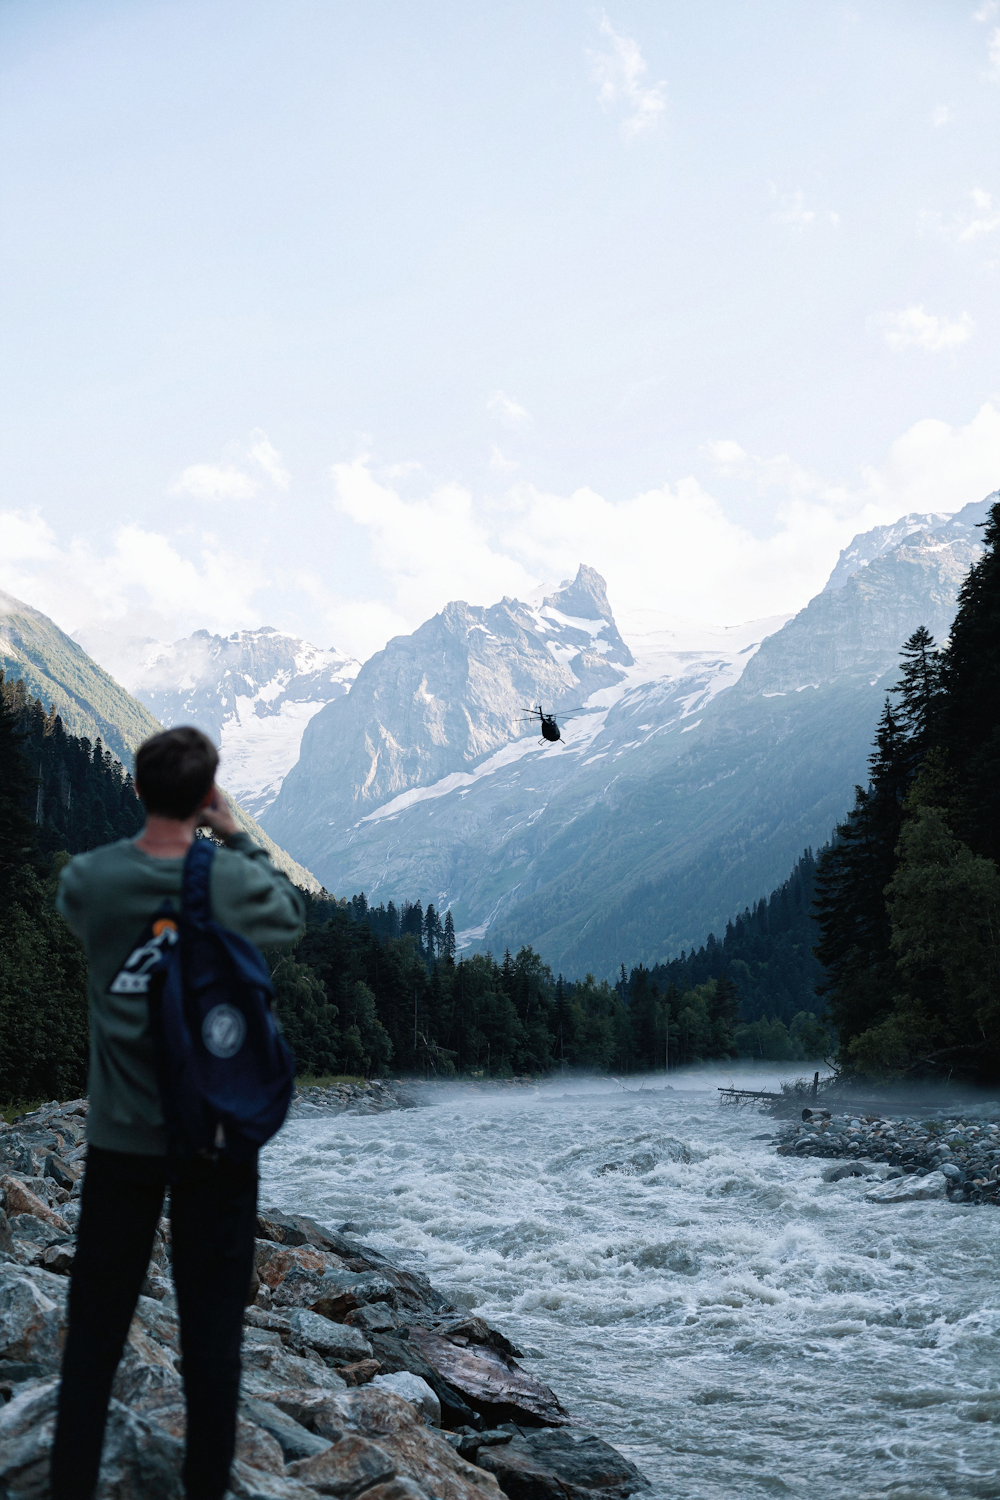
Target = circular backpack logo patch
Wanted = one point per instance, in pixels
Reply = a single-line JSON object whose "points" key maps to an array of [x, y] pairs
{"points": [[224, 1030]]}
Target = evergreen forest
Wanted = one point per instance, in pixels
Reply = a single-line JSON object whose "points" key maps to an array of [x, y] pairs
{"points": [[908, 892]]}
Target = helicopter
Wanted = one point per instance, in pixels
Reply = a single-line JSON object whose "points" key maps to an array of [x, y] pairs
{"points": [[546, 722]]}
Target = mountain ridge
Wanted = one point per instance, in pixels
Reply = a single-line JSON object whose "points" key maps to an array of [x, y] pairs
{"points": [[92, 705]]}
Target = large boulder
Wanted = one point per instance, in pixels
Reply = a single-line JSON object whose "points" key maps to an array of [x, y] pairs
{"points": [[414, 1389], [347, 1468], [272, 1262], [560, 1463], [19, 1199], [140, 1458], [911, 1189], [395, 1354], [490, 1380], [418, 1452], [32, 1319], [334, 1341]]}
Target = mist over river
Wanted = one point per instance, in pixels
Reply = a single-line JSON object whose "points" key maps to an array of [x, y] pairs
{"points": [[738, 1327]]}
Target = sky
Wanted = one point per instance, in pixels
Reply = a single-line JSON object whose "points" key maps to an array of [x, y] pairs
{"points": [[318, 315]]}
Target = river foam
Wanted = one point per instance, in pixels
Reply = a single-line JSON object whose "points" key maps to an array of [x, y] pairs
{"points": [[734, 1324]]}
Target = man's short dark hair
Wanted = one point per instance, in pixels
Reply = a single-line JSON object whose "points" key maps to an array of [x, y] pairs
{"points": [[174, 771]]}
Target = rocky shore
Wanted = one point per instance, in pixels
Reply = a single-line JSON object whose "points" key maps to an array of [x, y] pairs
{"points": [[374, 1096], [955, 1156], [359, 1379]]}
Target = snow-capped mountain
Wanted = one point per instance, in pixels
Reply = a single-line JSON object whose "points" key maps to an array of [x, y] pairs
{"points": [[253, 692], [695, 770], [446, 698]]}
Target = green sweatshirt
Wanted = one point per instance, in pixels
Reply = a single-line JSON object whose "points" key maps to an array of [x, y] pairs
{"points": [[108, 897]]}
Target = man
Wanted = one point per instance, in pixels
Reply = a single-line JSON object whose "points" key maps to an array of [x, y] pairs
{"points": [[114, 899]]}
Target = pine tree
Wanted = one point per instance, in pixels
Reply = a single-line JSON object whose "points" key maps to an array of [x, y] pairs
{"points": [[970, 718], [449, 941], [723, 1010], [18, 834], [919, 690]]}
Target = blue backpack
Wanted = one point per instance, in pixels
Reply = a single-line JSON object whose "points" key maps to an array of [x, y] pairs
{"points": [[226, 1075]]}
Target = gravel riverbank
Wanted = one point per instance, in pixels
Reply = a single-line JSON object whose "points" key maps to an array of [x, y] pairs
{"points": [[954, 1155], [360, 1380]]}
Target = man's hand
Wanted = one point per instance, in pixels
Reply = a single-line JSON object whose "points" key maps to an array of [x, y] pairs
{"points": [[216, 816]]}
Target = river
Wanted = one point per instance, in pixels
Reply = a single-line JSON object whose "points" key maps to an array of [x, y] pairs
{"points": [[734, 1324]]}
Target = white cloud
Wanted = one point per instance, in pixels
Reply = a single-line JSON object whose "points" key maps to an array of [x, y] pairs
{"points": [[141, 578], [432, 549], [499, 464], [672, 547], [792, 210], [214, 482], [993, 52], [510, 412], [229, 481], [916, 329], [620, 73], [987, 11], [940, 116], [675, 546], [983, 219], [263, 453]]}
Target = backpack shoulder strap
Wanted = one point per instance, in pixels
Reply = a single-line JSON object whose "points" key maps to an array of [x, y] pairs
{"points": [[195, 897]]}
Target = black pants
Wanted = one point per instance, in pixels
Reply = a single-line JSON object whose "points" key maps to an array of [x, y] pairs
{"points": [[213, 1210]]}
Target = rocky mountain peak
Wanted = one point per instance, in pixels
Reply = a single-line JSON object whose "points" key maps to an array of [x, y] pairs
{"points": [[584, 596], [440, 701]]}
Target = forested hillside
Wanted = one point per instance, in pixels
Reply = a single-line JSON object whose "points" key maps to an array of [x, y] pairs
{"points": [[909, 891], [54, 668], [768, 953], [57, 793]]}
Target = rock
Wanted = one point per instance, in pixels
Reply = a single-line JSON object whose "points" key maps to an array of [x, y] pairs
{"points": [[269, 1370], [59, 1258], [333, 1340], [477, 1331], [63, 1173], [419, 1452], [27, 1424], [294, 1440], [359, 1373], [415, 1390], [372, 1317], [299, 1229], [32, 1316], [258, 1317], [15, 1154], [346, 1468], [911, 1189], [21, 1200], [313, 1407], [6, 1235], [490, 1380], [400, 1354], [254, 1445], [144, 1387], [246, 1483], [331, 1292], [273, 1262], [951, 1171], [561, 1463], [396, 1489], [849, 1169], [140, 1459]]}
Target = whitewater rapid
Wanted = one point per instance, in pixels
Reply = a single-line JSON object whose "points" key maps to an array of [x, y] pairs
{"points": [[736, 1326]]}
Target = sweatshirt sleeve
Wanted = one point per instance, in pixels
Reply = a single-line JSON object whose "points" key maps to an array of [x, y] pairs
{"points": [[253, 898]]}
